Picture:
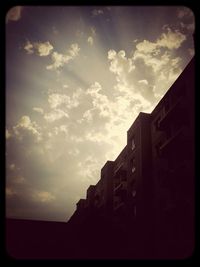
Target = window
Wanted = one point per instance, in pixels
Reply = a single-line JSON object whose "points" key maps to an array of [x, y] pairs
{"points": [[133, 168], [157, 122], [134, 210], [133, 181], [133, 143], [134, 193], [123, 178]]}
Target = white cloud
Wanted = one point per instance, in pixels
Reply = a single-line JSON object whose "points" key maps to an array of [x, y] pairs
{"points": [[90, 40], [74, 50], [149, 72], [60, 59], [43, 196], [120, 64], [88, 115], [63, 128], [56, 100], [25, 125], [171, 39], [14, 14], [94, 89], [97, 12], [42, 49], [29, 47], [39, 110], [146, 47], [145, 82], [8, 134], [55, 115]]}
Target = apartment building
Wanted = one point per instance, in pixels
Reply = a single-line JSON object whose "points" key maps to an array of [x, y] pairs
{"points": [[149, 187], [172, 135]]}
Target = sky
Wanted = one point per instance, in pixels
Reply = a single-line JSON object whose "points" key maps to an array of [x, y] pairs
{"points": [[76, 79]]}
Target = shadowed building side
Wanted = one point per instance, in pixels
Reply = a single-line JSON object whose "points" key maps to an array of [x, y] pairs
{"points": [[172, 131]]}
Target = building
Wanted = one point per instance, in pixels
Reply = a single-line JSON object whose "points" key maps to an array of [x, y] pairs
{"points": [[149, 188], [172, 134]]}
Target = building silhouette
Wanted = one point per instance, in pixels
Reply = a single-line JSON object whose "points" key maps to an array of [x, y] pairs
{"points": [[148, 190]]}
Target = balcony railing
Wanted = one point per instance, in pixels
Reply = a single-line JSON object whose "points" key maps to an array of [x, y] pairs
{"points": [[176, 141], [118, 205], [121, 186], [176, 110]]}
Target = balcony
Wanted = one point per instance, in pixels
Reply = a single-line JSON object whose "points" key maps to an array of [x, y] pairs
{"points": [[121, 169], [177, 143], [120, 186], [118, 203], [176, 111]]}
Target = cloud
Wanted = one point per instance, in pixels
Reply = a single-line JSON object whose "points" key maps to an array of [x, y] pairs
{"points": [[171, 39], [191, 51], [43, 196], [74, 50], [39, 110], [25, 126], [147, 47], [186, 18], [88, 168], [55, 31], [10, 192], [55, 115], [149, 72], [42, 49], [90, 40], [184, 12], [145, 82], [29, 48], [100, 103], [60, 59], [12, 166], [190, 27], [97, 12], [56, 100], [19, 179], [14, 14], [119, 63], [8, 134], [93, 30]]}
